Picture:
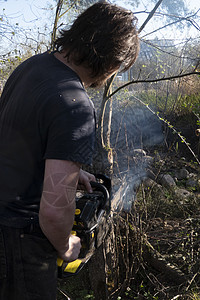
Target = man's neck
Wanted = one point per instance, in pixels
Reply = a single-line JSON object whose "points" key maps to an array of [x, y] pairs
{"points": [[81, 71]]}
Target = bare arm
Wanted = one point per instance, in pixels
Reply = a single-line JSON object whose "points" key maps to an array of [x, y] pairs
{"points": [[57, 206]]}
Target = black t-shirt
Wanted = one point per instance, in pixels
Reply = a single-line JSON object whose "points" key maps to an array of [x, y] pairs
{"points": [[45, 113]]}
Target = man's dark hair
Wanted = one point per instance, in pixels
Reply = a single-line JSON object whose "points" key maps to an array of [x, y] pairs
{"points": [[103, 37]]}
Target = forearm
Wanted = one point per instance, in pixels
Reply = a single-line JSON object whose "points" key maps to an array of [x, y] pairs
{"points": [[57, 226], [57, 206]]}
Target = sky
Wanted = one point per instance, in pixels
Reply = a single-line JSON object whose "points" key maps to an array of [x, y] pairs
{"points": [[29, 11], [30, 15]]}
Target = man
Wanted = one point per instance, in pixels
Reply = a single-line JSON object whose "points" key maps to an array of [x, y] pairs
{"points": [[47, 131]]}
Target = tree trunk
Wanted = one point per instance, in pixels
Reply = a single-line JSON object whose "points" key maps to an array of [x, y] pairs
{"points": [[104, 156], [55, 26]]}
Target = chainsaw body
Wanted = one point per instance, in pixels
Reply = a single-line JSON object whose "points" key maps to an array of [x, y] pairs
{"points": [[90, 224]]}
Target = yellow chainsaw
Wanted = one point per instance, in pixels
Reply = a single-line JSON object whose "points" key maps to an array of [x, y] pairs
{"points": [[90, 224]]}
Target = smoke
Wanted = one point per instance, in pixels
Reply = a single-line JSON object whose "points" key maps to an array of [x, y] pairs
{"points": [[129, 190], [135, 133], [135, 126]]}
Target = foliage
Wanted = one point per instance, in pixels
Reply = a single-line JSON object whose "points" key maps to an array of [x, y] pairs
{"points": [[8, 63], [159, 102], [160, 59]]}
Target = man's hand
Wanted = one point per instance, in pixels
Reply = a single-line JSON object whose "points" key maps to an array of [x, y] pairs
{"points": [[73, 251], [84, 180]]}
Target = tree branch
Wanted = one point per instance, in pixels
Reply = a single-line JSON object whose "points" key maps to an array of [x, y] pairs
{"points": [[170, 53], [67, 9], [152, 81], [150, 16], [179, 19], [57, 16]]}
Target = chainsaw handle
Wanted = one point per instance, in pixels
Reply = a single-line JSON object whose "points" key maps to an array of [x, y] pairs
{"points": [[105, 181], [100, 188]]}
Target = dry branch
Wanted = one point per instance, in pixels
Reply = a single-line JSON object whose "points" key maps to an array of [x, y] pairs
{"points": [[158, 262]]}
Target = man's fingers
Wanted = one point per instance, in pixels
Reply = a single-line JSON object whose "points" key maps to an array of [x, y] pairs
{"points": [[88, 187], [85, 178]]}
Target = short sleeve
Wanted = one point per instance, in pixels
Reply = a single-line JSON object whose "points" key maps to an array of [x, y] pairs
{"points": [[71, 135]]}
